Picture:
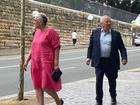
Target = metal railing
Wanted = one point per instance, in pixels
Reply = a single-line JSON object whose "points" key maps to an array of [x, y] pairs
{"points": [[94, 8]]}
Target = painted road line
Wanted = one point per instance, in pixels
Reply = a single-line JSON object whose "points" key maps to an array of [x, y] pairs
{"points": [[12, 66], [62, 60], [69, 59]]}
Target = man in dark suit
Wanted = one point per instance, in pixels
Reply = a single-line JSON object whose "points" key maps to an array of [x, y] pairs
{"points": [[103, 54]]}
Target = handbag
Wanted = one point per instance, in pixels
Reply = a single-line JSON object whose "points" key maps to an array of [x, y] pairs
{"points": [[56, 74]]}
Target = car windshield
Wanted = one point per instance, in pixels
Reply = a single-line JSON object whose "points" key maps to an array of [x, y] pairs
{"points": [[138, 35]]}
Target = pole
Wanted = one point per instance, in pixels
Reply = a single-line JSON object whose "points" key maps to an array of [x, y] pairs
{"points": [[22, 53]]}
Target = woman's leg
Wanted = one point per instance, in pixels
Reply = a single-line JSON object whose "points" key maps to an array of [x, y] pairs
{"points": [[54, 95], [40, 96]]}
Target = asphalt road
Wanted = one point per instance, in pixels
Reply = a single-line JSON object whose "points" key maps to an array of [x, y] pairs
{"points": [[71, 63]]}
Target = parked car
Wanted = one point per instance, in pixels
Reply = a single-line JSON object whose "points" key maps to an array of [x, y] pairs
{"points": [[137, 39]]}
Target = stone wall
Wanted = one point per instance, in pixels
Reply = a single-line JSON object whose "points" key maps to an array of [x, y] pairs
{"points": [[9, 23], [63, 19]]}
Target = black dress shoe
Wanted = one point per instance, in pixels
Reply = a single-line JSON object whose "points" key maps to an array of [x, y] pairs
{"points": [[113, 101], [97, 103], [62, 102]]}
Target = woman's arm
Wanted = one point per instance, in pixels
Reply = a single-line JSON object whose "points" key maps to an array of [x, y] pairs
{"points": [[27, 61], [56, 58]]}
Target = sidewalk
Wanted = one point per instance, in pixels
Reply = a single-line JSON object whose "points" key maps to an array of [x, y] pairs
{"points": [[83, 92]]}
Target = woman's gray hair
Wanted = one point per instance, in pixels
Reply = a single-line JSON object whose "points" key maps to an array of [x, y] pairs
{"points": [[40, 15], [44, 17], [36, 15]]}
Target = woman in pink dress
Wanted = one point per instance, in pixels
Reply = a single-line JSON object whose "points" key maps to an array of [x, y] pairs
{"points": [[44, 58]]}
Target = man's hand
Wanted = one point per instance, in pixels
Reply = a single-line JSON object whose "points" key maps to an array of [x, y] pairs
{"points": [[87, 61], [124, 62]]}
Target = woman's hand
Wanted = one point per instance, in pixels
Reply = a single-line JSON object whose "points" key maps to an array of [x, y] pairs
{"points": [[27, 61], [25, 66]]}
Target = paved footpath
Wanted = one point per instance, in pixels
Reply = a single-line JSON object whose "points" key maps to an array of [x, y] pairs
{"points": [[83, 92]]}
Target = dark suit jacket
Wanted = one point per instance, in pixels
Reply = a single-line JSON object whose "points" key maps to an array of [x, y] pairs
{"points": [[116, 45]]}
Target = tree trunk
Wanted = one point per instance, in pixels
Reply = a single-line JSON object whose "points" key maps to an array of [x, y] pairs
{"points": [[22, 53]]}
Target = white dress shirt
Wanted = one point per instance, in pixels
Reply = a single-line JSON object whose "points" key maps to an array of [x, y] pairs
{"points": [[105, 43], [74, 35]]}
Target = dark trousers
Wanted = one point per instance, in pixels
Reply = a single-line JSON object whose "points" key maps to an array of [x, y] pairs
{"points": [[74, 41], [111, 74]]}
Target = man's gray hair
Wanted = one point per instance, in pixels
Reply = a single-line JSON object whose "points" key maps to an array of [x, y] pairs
{"points": [[103, 17]]}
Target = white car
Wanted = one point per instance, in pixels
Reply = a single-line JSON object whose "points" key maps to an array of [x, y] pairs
{"points": [[137, 40]]}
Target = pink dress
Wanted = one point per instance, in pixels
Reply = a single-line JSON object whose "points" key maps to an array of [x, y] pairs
{"points": [[42, 59]]}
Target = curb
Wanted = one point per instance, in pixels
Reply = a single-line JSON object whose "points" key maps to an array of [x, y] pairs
{"points": [[16, 51]]}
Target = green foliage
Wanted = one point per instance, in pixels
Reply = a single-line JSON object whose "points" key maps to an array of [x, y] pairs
{"points": [[136, 7], [128, 5]]}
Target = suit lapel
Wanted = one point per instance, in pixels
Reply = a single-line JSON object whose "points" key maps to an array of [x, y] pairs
{"points": [[112, 38], [98, 35], [97, 42]]}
